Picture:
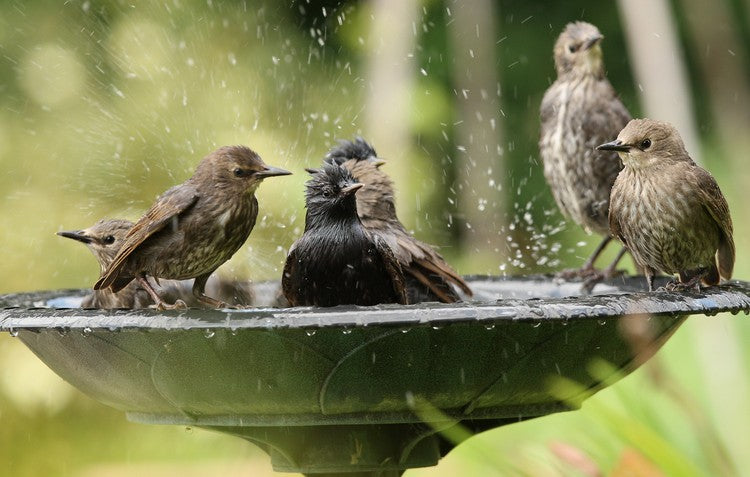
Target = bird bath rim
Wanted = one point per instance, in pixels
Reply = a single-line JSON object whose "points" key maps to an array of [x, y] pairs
{"points": [[615, 298]]}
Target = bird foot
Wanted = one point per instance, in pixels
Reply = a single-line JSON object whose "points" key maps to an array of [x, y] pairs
{"points": [[693, 284], [590, 280], [178, 305], [214, 303], [584, 273]]}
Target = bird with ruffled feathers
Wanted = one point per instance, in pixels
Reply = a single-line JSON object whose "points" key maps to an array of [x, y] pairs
{"points": [[428, 275], [337, 261]]}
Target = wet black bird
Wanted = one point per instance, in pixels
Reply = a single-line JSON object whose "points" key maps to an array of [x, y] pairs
{"points": [[193, 227], [428, 276], [668, 210], [337, 261], [105, 238], [579, 111]]}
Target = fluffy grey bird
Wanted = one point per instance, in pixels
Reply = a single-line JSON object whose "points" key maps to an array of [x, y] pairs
{"points": [[668, 210], [193, 227], [579, 111]]}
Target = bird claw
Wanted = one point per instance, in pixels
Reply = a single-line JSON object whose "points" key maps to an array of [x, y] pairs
{"points": [[677, 286], [590, 281], [178, 305], [571, 273]]}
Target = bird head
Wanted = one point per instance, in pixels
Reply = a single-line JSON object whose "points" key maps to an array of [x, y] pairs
{"points": [[104, 238], [237, 168], [376, 200], [646, 142], [331, 191], [578, 51], [359, 150]]}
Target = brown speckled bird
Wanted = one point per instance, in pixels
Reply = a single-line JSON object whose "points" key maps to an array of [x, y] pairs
{"points": [[104, 240], [193, 227], [428, 276], [668, 210], [580, 110]]}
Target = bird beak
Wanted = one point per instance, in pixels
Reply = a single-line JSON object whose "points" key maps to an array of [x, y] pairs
{"points": [[615, 145], [79, 235], [311, 171], [347, 191], [378, 162], [270, 171], [591, 42]]}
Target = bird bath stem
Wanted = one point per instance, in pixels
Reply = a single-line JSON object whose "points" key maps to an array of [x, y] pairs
{"points": [[360, 390]]}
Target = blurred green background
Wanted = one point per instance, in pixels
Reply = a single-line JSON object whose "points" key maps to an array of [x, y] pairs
{"points": [[105, 104]]}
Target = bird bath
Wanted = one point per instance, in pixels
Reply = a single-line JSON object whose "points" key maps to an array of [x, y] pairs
{"points": [[358, 390]]}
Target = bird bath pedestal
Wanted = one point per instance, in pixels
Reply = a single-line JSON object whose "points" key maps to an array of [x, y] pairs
{"points": [[359, 390]]}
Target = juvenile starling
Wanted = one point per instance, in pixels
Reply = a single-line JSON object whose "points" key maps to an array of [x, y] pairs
{"points": [[193, 227], [668, 210], [104, 240], [428, 276], [337, 261], [579, 111]]}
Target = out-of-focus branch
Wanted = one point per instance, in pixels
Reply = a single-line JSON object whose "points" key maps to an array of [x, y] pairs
{"points": [[479, 158], [390, 79], [659, 65]]}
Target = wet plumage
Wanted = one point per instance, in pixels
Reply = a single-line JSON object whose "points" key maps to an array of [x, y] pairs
{"points": [[194, 227], [104, 240], [668, 210], [428, 276], [337, 261], [579, 111]]}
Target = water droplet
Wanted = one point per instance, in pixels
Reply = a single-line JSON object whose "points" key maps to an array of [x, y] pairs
{"points": [[310, 332], [346, 331]]}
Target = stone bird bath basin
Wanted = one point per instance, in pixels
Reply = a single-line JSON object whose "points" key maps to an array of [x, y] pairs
{"points": [[358, 390]]}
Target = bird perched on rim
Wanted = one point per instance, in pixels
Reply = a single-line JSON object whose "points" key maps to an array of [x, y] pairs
{"points": [[579, 111], [428, 276], [104, 240], [193, 227], [337, 261], [668, 210]]}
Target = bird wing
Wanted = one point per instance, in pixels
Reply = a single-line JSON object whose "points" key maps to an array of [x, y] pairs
{"points": [[167, 207], [426, 264], [716, 205], [392, 268], [615, 229], [287, 277]]}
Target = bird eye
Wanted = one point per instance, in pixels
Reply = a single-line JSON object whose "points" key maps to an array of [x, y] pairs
{"points": [[327, 193], [646, 143], [239, 172], [109, 240], [572, 48]]}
